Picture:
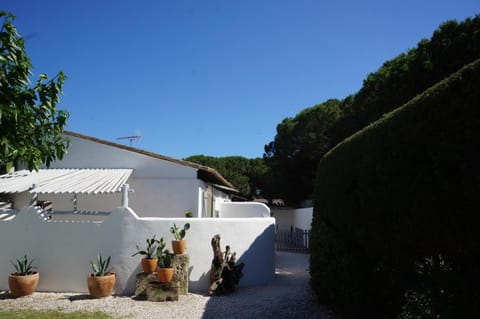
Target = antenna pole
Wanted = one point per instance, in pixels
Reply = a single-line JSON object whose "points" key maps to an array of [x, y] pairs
{"points": [[130, 138]]}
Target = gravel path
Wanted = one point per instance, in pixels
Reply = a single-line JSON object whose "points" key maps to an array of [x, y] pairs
{"points": [[288, 297]]}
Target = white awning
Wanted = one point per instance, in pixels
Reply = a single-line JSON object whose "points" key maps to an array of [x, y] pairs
{"points": [[65, 181]]}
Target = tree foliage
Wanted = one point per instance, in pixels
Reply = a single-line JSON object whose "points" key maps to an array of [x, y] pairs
{"points": [[451, 46], [298, 146], [247, 175], [302, 141], [31, 126]]}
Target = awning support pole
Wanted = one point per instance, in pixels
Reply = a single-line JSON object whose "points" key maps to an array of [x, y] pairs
{"points": [[74, 200], [125, 190], [34, 198]]}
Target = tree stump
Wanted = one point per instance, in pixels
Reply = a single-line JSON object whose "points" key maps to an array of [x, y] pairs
{"points": [[224, 273]]}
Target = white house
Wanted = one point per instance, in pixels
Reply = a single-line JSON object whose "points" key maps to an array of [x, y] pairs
{"points": [[91, 178], [160, 186]]}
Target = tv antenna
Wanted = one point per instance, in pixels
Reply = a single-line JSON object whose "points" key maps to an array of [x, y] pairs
{"points": [[133, 138]]}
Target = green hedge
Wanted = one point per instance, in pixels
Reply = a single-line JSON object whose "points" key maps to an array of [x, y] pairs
{"points": [[396, 215]]}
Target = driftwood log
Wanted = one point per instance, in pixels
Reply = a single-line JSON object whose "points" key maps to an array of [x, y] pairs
{"points": [[224, 273]]}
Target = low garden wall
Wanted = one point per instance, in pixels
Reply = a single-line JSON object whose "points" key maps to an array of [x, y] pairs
{"points": [[291, 218], [62, 249], [242, 209]]}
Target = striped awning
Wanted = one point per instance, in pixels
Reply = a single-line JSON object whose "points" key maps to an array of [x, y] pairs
{"points": [[65, 181]]}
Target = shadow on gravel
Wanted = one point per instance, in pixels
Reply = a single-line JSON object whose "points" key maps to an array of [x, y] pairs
{"points": [[5, 295], [289, 296], [79, 297]]}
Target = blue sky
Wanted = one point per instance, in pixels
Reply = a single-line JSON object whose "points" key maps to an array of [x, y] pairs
{"points": [[214, 77]]}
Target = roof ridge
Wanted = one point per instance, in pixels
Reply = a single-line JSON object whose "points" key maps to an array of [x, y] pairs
{"points": [[204, 168]]}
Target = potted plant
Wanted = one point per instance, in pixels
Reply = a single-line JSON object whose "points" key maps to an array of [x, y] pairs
{"points": [[149, 262], [179, 245], [101, 281], [165, 269], [24, 281]]}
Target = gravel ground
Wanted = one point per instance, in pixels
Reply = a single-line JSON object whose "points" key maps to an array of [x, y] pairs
{"points": [[288, 297]]}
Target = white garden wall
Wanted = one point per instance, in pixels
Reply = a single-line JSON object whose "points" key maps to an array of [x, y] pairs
{"points": [[62, 250], [302, 218], [285, 218], [242, 209]]}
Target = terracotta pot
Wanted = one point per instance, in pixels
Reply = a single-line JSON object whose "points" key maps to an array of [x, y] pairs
{"points": [[165, 274], [149, 265], [23, 285], [179, 246], [101, 286]]}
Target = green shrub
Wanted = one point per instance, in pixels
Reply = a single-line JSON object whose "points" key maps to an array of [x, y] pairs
{"points": [[340, 265], [401, 191]]}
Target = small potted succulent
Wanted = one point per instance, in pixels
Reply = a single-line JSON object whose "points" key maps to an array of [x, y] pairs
{"points": [[24, 280], [101, 281], [179, 244], [165, 269], [149, 262]]}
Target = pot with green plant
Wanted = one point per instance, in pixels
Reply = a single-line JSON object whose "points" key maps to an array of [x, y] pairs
{"points": [[179, 244], [24, 280], [165, 270], [101, 281], [149, 262]]}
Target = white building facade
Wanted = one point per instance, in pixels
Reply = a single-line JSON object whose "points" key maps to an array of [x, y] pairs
{"points": [[159, 186], [88, 213]]}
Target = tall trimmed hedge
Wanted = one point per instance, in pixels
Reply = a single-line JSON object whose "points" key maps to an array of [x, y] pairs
{"points": [[395, 232]]}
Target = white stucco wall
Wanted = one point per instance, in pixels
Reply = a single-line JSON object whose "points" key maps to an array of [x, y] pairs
{"points": [[164, 197], [286, 218], [220, 197], [242, 209], [62, 250], [302, 218], [84, 153], [20, 200], [99, 202]]}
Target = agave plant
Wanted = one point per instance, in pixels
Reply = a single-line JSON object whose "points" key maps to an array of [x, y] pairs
{"points": [[23, 267], [149, 253], [100, 266], [178, 233]]}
